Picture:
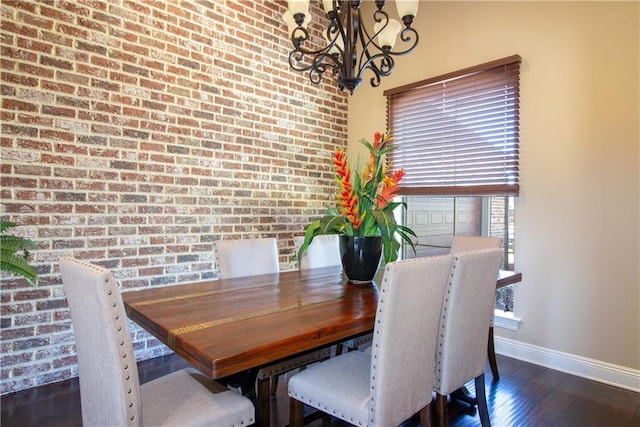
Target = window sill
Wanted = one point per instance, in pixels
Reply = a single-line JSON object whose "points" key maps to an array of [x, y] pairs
{"points": [[506, 320]]}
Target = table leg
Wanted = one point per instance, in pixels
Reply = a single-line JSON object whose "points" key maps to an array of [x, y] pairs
{"points": [[491, 351], [264, 402]]}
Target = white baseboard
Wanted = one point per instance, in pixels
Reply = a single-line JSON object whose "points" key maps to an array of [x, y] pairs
{"points": [[596, 370]]}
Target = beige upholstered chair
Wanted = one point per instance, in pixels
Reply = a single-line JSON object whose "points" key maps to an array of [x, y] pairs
{"points": [[252, 257], [324, 251], [473, 243], [246, 257], [110, 392], [462, 338], [395, 380]]}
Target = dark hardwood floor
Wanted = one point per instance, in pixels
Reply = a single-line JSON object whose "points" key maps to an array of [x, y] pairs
{"points": [[525, 395]]}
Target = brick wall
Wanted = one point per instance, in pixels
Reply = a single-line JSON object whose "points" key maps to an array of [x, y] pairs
{"points": [[137, 132]]}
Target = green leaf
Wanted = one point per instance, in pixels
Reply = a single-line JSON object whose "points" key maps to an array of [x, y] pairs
{"points": [[14, 254], [15, 243], [392, 206], [391, 249], [367, 144], [309, 234], [406, 235], [18, 266], [328, 224], [387, 225], [6, 225]]}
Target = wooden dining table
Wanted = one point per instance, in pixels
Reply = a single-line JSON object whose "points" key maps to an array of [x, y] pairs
{"points": [[232, 327]]}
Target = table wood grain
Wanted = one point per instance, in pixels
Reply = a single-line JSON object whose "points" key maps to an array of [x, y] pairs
{"points": [[227, 326], [224, 327]]}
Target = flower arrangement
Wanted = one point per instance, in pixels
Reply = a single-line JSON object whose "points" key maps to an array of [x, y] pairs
{"points": [[365, 201]]}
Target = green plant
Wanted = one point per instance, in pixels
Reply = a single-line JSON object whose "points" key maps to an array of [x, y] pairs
{"points": [[365, 201], [14, 254]]}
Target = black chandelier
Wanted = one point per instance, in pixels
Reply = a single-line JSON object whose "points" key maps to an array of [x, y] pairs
{"points": [[350, 48]]}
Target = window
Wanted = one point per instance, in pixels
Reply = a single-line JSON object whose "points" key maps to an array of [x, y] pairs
{"points": [[436, 219], [457, 138]]}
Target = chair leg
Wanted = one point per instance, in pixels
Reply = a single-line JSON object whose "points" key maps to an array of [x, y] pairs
{"points": [[481, 397], [442, 413], [491, 351], [264, 399], [425, 416], [296, 413], [274, 384]]}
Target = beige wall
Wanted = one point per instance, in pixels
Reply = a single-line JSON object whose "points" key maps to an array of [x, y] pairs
{"points": [[577, 217]]}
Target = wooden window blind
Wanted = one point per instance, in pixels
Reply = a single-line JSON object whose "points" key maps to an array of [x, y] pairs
{"points": [[458, 134]]}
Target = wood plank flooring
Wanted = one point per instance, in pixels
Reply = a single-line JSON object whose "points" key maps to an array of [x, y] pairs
{"points": [[525, 395]]}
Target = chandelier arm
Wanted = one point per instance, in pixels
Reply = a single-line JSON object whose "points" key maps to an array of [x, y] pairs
{"points": [[297, 56], [366, 40], [321, 60], [319, 65], [374, 81], [353, 29], [406, 36], [316, 74], [338, 18], [335, 30], [298, 40], [387, 65]]}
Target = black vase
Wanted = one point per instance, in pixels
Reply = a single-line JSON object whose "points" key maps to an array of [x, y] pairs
{"points": [[360, 257]]}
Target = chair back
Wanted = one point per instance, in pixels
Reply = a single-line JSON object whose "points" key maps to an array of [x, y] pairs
{"points": [[246, 257], [466, 312], [324, 251], [404, 338], [109, 385], [474, 243]]}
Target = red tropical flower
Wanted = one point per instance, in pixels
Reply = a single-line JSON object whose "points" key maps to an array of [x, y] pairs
{"points": [[389, 187], [377, 140], [347, 197]]}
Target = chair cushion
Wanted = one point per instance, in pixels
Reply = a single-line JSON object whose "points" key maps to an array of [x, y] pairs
{"points": [[202, 402], [347, 376]]}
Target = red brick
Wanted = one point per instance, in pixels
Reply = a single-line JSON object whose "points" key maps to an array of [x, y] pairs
{"points": [[29, 44], [19, 334], [14, 359], [9, 309], [74, 8], [13, 104], [21, 80]]}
